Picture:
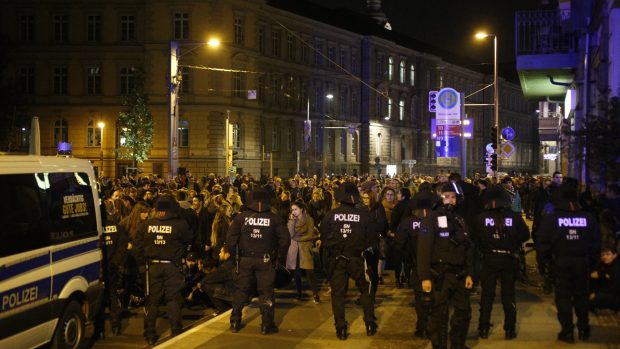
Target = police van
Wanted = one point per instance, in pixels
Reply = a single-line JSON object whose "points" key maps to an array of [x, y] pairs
{"points": [[50, 260]]}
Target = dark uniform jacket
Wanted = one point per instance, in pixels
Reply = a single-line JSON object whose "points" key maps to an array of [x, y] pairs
{"points": [[258, 233], [406, 239], [165, 238], [114, 242], [499, 231], [347, 231], [444, 244], [565, 233]]}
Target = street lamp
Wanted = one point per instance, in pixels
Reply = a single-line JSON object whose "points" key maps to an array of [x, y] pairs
{"points": [[101, 126], [480, 36], [329, 97]]}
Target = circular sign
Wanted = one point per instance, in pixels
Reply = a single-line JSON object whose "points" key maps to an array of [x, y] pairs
{"points": [[508, 133], [447, 98]]}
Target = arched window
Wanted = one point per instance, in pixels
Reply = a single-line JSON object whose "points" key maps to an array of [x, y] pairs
{"points": [[402, 72], [355, 145], [401, 110], [390, 68], [61, 131], [412, 75], [236, 135], [94, 134], [183, 134], [389, 112]]}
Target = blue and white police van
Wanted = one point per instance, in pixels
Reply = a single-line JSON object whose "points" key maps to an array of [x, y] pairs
{"points": [[50, 259]]}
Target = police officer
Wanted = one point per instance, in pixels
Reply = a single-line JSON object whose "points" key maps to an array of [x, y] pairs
{"points": [[499, 233], [346, 233], [114, 243], [569, 241], [163, 243], [406, 240], [445, 267], [260, 240]]}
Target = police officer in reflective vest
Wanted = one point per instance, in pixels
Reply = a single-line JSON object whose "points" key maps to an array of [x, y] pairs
{"points": [[165, 239], [445, 258], [569, 241], [499, 233], [406, 240], [346, 233], [260, 240], [114, 243]]}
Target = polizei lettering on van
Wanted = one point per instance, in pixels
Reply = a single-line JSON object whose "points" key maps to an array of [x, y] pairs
{"points": [[574, 222], [262, 222], [346, 217]]}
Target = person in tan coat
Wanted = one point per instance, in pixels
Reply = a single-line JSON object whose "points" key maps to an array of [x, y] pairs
{"points": [[299, 258]]}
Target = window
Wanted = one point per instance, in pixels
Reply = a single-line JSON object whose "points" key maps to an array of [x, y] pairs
{"points": [[61, 131], [236, 135], [440, 80], [183, 133], [94, 134], [290, 44], [379, 67], [93, 27], [61, 27], [317, 143], [275, 43], [275, 140], [403, 148], [412, 75], [128, 80], [353, 63], [26, 80], [331, 55], [402, 72], [380, 105], [389, 112], [26, 28], [318, 54], [355, 145], [261, 89], [290, 140], [343, 142], [93, 80], [128, 28], [185, 86], [275, 91], [390, 68], [181, 25], [401, 110], [330, 142], [344, 95], [238, 25], [304, 53], [260, 38], [343, 59], [237, 85], [354, 103], [61, 79], [318, 99]]}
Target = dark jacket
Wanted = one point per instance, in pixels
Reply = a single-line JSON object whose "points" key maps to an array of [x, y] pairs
{"points": [[346, 230]]}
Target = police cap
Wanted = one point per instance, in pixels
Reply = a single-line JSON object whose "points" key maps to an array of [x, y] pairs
{"points": [[166, 207], [497, 197], [348, 193], [424, 200], [567, 197], [258, 200], [448, 188]]}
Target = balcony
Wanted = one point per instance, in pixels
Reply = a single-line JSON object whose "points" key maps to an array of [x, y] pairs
{"points": [[545, 47]]}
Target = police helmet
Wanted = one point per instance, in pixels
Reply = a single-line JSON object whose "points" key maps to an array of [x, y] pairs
{"points": [[348, 193], [567, 197], [424, 200], [258, 200], [497, 197], [166, 207], [448, 188]]}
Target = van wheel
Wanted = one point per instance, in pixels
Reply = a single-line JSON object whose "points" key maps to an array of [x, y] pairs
{"points": [[71, 329]]}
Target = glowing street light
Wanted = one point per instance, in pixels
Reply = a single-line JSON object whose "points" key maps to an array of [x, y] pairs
{"points": [[101, 125], [480, 36]]}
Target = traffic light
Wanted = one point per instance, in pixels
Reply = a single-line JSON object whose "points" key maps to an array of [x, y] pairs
{"points": [[234, 157], [432, 101], [494, 137], [494, 162]]}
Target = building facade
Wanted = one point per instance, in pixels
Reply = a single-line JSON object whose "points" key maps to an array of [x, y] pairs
{"points": [[364, 92]]}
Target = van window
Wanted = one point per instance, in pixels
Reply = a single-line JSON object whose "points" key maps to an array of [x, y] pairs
{"points": [[22, 214], [72, 210]]}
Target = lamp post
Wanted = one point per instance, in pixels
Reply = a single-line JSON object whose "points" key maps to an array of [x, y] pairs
{"points": [[329, 97], [101, 126], [480, 36]]}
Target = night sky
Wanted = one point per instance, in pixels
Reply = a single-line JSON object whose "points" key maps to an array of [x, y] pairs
{"points": [[451, 25]]}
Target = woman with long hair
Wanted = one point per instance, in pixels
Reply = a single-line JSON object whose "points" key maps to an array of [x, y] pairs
{"points": [[299, 258], [388, 202], [219, 229], [133, 285], [316, 206], [378, 222]]}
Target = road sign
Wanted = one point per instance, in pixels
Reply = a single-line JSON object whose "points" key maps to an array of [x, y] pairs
{"points": [[507, 149], [508, 133], [448, 105], [448, 130], [489, 148], [409, 162]]}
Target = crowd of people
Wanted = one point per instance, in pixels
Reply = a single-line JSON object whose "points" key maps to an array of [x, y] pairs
{"points": [[444, 236]]}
